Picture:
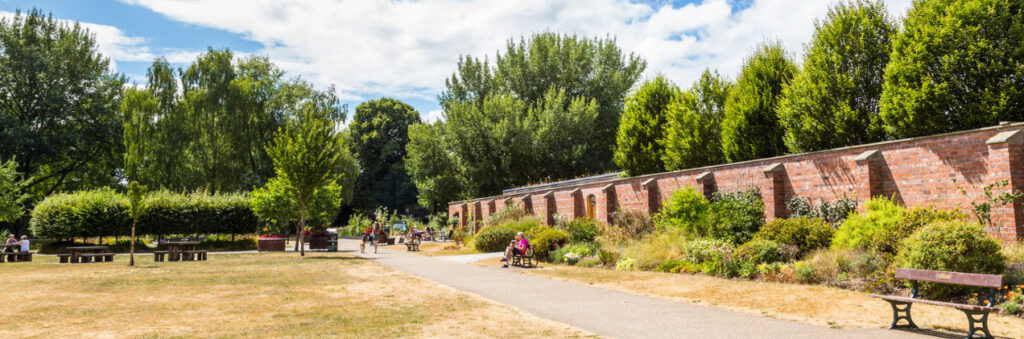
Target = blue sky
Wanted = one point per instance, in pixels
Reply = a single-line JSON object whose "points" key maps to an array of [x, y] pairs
{"points": [[406, 49]]}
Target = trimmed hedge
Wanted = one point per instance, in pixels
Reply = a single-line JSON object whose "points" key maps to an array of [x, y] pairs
{"points": [[104, 212]]}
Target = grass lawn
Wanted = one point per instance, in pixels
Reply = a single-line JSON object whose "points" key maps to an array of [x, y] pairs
{"points": [[814, 304], [247, 295]]}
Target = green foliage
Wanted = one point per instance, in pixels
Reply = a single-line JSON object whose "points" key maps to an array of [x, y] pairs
{"points": [[12, 196], [642, 127], [431, 168], [380, 133], [751, 129], [805, 233], [512, 211], [546, 240], [888, 239], [523, 224], [632, 224], [551, 102], [833, 101], [734, 216], [694, 134], [104, 212], [59, 101], [950, 246], [685, 209], [835, 267], [956, 65], [760, 251], [833, 212], [571, 254], [276, 203], [494, 239], [982, 209], [859, 230], [582, 230]]}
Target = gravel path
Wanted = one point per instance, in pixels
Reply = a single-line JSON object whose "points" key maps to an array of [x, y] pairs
{"points": [[606, 312]]}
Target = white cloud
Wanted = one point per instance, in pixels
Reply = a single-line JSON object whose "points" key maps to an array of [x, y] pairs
{"points": [[119, 46], [433, 116]]}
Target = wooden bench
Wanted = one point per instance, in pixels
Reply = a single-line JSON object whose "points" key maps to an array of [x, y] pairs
{"points": [[64, 257], [96, 257], [413, 244], [976, 315], [523, 260], [193, 255], [159, 255], [15, 256]]}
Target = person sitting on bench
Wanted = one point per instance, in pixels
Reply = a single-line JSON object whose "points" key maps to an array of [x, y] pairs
{"points": [[518, 246], [11, 241], [24, 243]]}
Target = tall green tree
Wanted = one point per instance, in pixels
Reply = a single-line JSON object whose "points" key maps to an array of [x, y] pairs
{"points": [[380, 131], [591, 68], [59, 102], [693, 136], [307, 154], [642, 127], [751, 128], [833, 100], [431, 167], [12, 195], [956, 65]]}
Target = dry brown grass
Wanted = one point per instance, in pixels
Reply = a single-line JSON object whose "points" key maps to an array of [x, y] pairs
{"points": [[813, 304], [247, 295], [436, 249]]}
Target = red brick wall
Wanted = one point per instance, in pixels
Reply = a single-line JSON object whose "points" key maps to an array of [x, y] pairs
{"points": [[925, 171]]}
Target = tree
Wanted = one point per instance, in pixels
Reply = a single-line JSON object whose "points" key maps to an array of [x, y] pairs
{"points": [[59, 103], [380, 131], [642, 127], [956, 65], [586, 71], [12, 196], [431, 167], [693, 136], [276, 203], [136, 205], [307, 153], [751, 127], [833, 100]]}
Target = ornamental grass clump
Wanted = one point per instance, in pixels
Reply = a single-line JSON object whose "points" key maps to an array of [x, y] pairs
{"points": [[657, 248]]}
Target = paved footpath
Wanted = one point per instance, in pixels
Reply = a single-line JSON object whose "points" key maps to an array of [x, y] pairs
{"points": [[603, 311]]}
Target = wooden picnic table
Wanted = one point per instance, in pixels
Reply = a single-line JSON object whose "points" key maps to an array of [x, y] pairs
{"points": [[174, 248], [77, 251]]}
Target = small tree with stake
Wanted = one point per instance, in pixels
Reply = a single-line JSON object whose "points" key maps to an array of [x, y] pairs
{"points": [[306, 153], [135, 194]]}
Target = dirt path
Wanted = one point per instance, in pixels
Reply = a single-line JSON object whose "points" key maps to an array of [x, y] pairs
{"points": [[603, 311]]}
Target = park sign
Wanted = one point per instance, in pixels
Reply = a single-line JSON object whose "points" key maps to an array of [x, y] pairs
{"points": [[400, 225]]}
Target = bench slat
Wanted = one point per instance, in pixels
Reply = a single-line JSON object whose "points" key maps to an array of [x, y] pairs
{"points": [[933, 302], [957, 278]]}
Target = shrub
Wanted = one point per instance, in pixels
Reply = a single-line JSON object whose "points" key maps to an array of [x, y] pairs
{"points": [[635, 224], [657, 248], [950, 246], [804, 233], [510, 212], [90, 213], [700, 250], [582, 230], [522, 224], [760, 251], [571, 254], [624, 264], [494, 239], [547, 240], [832, 212], [837, 267], [591, 261], [685, 209], [887, 240], [736, 216], [859, 230], [669, 265]]}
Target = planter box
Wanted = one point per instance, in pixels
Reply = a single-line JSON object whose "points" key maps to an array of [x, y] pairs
{"points": [[270, 245], [317, 243]]}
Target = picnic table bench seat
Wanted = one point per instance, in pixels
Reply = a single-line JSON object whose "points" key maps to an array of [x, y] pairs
{"points": [[15, 256], [193, 255], [96, 257], [977, 315], [159, 255], [413, 244], [523, 260]]}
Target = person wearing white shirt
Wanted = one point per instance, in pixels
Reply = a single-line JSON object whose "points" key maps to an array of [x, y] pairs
{"points": [[24, 243]]}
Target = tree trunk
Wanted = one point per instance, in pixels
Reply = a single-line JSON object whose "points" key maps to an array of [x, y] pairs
{"points": [[131, 257], [302, 227]]}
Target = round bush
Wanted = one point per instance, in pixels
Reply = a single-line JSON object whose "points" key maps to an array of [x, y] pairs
{"points": [[494, 239], [547, 240], [582, 230], [760, 251], [887, 240], [950, 246], [100, 212], [804, 233], [859, 230]]}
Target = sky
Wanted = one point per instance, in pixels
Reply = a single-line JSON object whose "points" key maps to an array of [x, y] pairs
{"points": [[369, 49]]}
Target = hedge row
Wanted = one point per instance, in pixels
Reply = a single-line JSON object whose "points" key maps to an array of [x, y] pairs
{"points": [[104, 212]]}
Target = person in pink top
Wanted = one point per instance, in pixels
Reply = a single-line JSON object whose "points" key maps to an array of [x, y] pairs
{"points": [[518, 246]]}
